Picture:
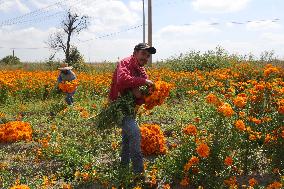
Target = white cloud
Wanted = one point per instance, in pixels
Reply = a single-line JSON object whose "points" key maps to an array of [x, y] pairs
{"points": [[183, 31], [262, 25], [219, 6], [108, 16], [137, 5], [40, 3], [22, 40], [13, 5], [273, 38]]}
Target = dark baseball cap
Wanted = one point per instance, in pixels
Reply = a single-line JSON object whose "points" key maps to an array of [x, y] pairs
{"points": [[145, 46]]}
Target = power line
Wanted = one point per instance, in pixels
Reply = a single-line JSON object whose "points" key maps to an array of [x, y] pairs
{"points": [[32, 13], [112, 34], [240, 22], [37, 13]]}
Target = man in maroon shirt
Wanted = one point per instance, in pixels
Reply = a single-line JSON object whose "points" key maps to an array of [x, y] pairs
{"points": [[129, 76]]}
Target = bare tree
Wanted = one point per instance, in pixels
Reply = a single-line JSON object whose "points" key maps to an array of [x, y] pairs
{"points": [[72, 24]]}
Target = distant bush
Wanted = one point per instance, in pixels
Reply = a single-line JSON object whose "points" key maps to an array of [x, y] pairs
{"points": [[76, 59], [193, 60], [10, 60]]}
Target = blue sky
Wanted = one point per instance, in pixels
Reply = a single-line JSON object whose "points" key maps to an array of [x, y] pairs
{"points": [[178, 27]]}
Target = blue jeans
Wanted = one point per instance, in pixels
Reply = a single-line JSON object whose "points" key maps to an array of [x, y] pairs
{"points": [[131, 145], [69, 98]]}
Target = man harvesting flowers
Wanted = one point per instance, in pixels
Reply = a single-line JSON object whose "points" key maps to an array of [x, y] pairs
{"points": [[67, 82], [129, 75]]}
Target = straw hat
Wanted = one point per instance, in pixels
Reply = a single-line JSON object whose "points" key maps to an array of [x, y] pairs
{"points": [[64, 66]]}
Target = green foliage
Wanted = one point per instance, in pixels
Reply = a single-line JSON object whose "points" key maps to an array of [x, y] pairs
{"points": [[76, 59], [113, 114], [10, 60], [193, 60]]}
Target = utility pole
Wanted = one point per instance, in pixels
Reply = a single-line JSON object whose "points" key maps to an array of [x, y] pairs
{"points": [[143, 21], [150, 27]]}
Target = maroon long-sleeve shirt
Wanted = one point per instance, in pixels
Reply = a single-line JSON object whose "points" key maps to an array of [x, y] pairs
{"points": [[127, 75]]}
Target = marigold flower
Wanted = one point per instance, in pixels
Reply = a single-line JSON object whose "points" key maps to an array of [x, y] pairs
{"points": [[256, 121], [152, 139], [226, 110], [190, 130], [240, 101], [240, 125], [158, 96], [253, 182], [22, 186], [269, 69], [228, 161], [203, 150], [242, 114], [232, 182], [193, 160], [212, 99], [274, 185], [166, 186], [184, 182], [66, 186]]}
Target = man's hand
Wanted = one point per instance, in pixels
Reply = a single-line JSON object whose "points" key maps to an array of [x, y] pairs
{"points": [[149, 82], [137, 93]]}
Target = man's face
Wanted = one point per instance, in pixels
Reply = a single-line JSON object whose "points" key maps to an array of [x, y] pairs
{"points": [[142, 57]]}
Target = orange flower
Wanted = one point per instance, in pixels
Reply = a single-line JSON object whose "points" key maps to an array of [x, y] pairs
{"points": [[226, 110], [232, 182], [203, 150], [228, 161], [158, 96], [190, 130], [274, 185], [212, 99], [242, 114], [256, 121], [269, 69], [22, 186], [240, 101], [66, 186], [253, 182], [193, 160], [240, 125], [152, 139], [166, 186], [184, 181]]}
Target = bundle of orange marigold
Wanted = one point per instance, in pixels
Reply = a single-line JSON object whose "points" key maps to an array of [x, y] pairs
{"points": [[22, 186], [158, 95], [14, 131], [153, 141], [68, 86]]}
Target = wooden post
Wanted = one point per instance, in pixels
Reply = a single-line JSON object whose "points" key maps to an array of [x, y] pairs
{"points": [[150, 27], [143, 21]]}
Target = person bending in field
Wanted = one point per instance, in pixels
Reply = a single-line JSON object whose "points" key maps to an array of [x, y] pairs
{"points": [[66, 74], [129, 75]]}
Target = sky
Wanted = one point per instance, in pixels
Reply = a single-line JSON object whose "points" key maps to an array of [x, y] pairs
{"points": [[240, 27]]}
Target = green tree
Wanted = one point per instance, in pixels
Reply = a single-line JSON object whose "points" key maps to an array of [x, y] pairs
{"points": [[72, 24], [10, 60]]}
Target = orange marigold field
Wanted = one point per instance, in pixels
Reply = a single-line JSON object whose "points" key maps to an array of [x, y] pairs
{"points": [[14, 131]]}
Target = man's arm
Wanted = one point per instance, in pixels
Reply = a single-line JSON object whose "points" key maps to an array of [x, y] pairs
{"points": [[125, 80]]}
